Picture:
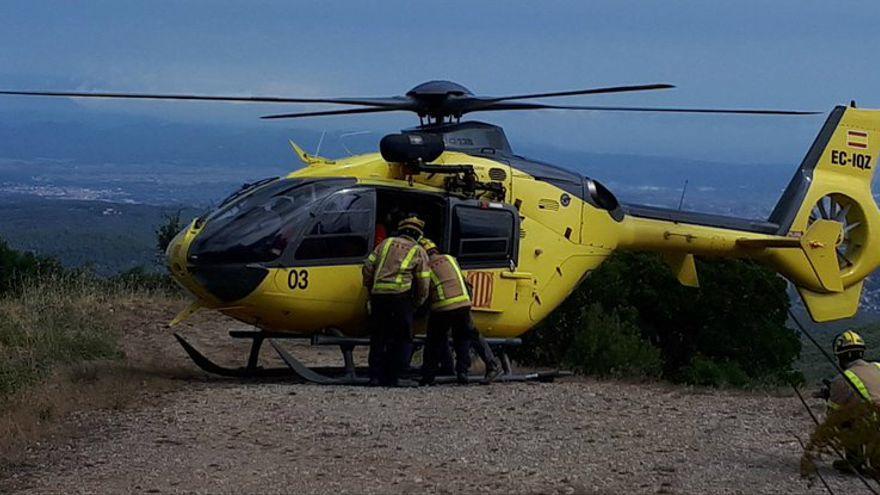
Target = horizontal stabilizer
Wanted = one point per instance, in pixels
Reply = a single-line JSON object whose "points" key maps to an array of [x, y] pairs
{"points": [[820, 245]]}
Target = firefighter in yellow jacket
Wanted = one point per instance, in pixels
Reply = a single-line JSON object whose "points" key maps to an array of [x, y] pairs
{"points": [[397, 276], [451, 310], [864, 385]]}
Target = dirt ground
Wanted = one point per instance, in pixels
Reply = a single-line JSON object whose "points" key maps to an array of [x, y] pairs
{"points": [[212, 435]]}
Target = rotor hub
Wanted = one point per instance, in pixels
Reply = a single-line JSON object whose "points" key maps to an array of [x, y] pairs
{"points": [[433, 89]]}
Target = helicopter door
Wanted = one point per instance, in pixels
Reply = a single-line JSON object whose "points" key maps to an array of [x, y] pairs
{"points": [[323, 285], [484, 238]]}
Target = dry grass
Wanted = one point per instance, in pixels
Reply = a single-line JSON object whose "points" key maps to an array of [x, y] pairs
{"points": [[39, 412], [854, 430], [62, 352], [50, 323]]}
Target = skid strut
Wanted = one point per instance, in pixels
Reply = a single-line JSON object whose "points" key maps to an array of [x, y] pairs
{"points": [[252, 370], [349, 373]]}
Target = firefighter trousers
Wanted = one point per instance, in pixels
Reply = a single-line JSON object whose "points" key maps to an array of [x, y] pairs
{"points": [[391, 319], [440, 323]]}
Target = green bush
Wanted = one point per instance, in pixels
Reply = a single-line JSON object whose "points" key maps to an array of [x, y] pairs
{"points": [[853, 430], [16, 266], [715, 373], [732, 326], [165, 233], [604, 344]]}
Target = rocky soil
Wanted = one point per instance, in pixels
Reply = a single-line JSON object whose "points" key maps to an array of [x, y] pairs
{"points": [[210, 435]]}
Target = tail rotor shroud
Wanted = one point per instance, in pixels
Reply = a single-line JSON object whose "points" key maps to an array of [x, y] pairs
{"points": [[840, 208]]}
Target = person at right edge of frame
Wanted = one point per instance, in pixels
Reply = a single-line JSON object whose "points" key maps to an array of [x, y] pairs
{"points": [[864, 378], [451, 310], [398, 278]]}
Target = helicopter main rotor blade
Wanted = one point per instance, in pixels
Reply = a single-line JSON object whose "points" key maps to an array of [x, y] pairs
{"points": [[539, 106], [590, 91], [390, 102], [429, 102], [348, 111]]}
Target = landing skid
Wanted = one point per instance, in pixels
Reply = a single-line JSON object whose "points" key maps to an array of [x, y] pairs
{"points": [[314, 376], [349, 374], [251, 370]]}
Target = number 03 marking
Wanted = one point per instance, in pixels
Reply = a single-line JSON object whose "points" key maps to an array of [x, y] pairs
{"points": [[298, 279]]}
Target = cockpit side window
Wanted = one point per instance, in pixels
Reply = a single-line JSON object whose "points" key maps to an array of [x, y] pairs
{"points": [[342, 230], [260, 225], [249, 196], [483, 237]]}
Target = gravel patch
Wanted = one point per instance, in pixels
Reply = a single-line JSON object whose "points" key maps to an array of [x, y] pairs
{"points": [[574, 436]]}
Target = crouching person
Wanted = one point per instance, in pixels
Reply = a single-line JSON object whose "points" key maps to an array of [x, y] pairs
{"points": [[450, 310], [852, 406]]}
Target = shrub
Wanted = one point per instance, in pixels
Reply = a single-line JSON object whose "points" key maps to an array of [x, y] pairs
{"points": [[731, 330], [853, 431], [604, 344], [715, 373], [16, 266], [166, 232]]}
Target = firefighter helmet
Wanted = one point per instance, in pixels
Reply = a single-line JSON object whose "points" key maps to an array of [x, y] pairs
{"points": [[848, 341], [412, 222]]}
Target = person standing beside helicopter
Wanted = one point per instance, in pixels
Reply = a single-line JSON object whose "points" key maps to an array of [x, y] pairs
{"points": [[451, 309], [398, 278]]}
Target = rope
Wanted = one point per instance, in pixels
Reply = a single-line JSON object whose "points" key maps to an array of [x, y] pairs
{"points": [[821, 478]]}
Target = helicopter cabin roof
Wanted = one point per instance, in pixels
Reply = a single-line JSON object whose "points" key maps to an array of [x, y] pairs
{"points": [[489, 141]]}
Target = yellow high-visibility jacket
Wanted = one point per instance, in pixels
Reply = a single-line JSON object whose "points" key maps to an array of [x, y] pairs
{"points": [[448, 288], [866, 378], [398, 265]]}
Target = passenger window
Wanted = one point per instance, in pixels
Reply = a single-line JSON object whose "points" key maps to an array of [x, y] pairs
{"points": [[483, 237], [342, 230]]}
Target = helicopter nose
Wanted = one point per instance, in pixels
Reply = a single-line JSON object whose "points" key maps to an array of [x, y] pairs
{"points": [[228, 283], [175, 257]]}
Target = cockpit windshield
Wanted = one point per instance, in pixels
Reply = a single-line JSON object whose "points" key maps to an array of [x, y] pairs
{"points": [[258, 225]]}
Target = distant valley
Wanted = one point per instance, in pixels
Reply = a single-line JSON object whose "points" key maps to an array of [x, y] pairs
{"points": [[92, 194]]}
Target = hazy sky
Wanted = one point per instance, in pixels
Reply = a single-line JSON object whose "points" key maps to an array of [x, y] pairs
{"points": [[792, 54]]}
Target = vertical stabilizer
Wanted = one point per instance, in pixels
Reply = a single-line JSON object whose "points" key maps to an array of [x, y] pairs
{"points": [[833, 184]]}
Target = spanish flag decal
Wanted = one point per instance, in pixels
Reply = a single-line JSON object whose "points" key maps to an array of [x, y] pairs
{"points": [[857, 139]]}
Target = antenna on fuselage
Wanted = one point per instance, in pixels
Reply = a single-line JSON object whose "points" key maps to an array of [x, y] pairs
{"points": [[320, 141], [683, 190], [349, 134]]}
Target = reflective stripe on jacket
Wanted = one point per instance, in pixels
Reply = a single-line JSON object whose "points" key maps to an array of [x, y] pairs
{"points": [[865, 378], [448, 289], [394, 266]]}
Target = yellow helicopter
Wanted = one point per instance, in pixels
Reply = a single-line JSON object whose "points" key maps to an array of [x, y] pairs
{"points": [[285, 254]]}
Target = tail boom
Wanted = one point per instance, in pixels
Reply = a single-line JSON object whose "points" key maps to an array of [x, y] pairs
{"points": [[822, 236]]}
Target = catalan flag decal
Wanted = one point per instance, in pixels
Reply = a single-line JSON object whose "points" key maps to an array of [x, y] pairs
{"points": [[857, 139], [483, 283]]}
